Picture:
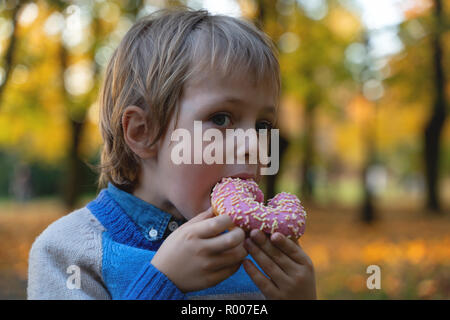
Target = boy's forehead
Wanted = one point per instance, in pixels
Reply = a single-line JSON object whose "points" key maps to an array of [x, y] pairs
{"points": [[211, 90], [236, 81]]}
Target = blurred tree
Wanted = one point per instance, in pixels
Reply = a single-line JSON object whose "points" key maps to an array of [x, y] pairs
{"points": [[48, 97], [14, 7], [368, 213], [312, 39], [266, 12], [433, 129], [424, 33], [46, 110], [78, 105]]}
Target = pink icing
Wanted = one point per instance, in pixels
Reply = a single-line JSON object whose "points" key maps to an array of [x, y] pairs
{"points": [[243, 201]]}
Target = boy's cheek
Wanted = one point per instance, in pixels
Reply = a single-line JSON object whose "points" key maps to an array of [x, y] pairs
{"points": [[189, 198], [188, 186]]}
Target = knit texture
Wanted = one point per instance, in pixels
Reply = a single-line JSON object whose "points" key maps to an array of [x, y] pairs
{"points": [[72, 241]]}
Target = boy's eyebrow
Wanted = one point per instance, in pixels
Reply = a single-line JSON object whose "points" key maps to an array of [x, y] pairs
{"points": [[237, 101]]}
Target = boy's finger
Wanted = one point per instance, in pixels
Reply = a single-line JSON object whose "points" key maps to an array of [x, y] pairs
{"points": [[290, 248], [212, 227], [228, 258], [269, 266], [224, 273], [287, 264], [226, 241], [267, 287]]}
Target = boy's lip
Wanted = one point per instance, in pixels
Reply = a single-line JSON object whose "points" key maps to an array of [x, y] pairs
{"points": [[244, 176], [241, 175]]}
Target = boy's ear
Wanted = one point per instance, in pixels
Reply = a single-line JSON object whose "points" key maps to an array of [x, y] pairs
{"points": [[136, 132]]}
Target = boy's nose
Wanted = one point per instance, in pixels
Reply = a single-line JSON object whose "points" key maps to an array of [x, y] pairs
{"points": [[247, 148]]}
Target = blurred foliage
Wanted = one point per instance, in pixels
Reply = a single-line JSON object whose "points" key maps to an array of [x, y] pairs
{"points": [[62, 49]]}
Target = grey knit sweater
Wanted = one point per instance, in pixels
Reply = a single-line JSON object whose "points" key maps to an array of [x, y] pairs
{"points": [[73, 240]]}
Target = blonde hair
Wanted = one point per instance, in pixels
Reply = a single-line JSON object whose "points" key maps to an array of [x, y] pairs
{"points": [[156, 58]]}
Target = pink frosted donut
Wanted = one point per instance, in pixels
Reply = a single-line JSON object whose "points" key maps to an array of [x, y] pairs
{"points": [[243, 201]]}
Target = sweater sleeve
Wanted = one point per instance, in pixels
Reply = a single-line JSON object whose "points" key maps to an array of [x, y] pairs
{"points": [[65, 260], [152, 284]]}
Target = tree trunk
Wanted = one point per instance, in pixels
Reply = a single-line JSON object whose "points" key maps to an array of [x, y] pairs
{"points": [[433, 130], [75, 172], [9, 56], [368, 213], [272, 179], [307, 169]]}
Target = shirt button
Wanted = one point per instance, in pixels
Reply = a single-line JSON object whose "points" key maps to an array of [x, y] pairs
{"points": [[173, 225], [153, 233]]}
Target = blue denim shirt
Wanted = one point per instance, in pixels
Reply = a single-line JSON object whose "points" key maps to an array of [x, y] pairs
{"points": [[154, 223]]}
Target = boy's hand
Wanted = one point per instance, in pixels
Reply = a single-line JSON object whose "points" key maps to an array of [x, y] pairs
{"points": [[290, 270], [197, 256]]}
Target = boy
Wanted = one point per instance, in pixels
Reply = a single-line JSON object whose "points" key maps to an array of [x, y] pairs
{"points": [[151, 234]]}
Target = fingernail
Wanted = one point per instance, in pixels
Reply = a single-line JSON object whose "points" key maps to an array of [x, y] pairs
{"points": [[277, 236], [258, 236]]}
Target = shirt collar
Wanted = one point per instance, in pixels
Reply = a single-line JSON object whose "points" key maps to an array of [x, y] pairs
{"points": [[154, 223]]}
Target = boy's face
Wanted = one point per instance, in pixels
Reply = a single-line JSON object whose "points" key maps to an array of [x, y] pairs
{"points": [[187, 187]]}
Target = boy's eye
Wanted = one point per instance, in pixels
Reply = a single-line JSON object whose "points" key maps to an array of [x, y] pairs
{"points": [[221, 119], [263, 125]]}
